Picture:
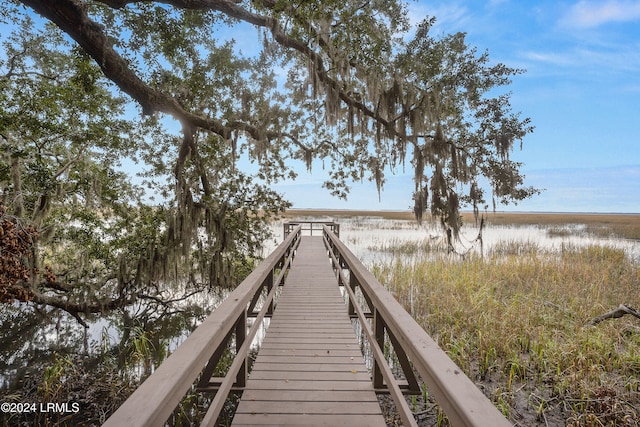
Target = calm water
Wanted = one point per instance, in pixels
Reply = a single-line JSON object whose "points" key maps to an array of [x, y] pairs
{"points": [[367, 237]]}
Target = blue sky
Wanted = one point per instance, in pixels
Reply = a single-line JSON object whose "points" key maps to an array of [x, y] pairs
{"points": [[581, 90]]}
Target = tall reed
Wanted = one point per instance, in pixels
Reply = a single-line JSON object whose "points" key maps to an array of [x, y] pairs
{"points": [[516, 321]]}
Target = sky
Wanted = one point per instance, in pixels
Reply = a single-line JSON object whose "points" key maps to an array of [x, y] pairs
{"points": [[581, 90]]}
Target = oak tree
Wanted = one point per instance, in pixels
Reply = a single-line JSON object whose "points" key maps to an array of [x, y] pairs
{"points": [[349, 82]]}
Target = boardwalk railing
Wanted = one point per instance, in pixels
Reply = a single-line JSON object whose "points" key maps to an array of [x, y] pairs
{"points": [[157, 397], [311, 226], [463, 403], [383, 321]]}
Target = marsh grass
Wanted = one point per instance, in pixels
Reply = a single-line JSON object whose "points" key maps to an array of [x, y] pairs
{"points": [[514, 248], [516, 322], [623, 231], [428, 245]]}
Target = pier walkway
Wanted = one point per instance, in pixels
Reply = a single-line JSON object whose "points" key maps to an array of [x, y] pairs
{"points": [[312, 294], [310, 370]]}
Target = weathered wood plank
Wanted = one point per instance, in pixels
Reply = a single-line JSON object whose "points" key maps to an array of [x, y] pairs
{"points": [[311, 346], [312, 375], [311, 407], [335, 420], [308, 385], [310, 332], [320, 335], [317, 319], [293, 366], [310, 395], [299, 341], [311, 325], [292, 352], [313, 359]]}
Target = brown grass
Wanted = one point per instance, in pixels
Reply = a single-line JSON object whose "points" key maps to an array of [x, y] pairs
{"points": [[342, 213], [518, 325]]}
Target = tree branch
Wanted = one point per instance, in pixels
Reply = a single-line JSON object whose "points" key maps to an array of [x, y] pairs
{"points": [[71, 17], [615, 314], [75, 309]]}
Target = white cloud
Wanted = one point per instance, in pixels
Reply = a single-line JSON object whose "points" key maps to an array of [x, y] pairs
{"points": [[590, 14], [554, 58], [613, 62], [449, 17], [601, 189]]}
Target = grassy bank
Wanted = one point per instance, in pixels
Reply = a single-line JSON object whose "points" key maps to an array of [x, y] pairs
{"points": [[518, 325]]}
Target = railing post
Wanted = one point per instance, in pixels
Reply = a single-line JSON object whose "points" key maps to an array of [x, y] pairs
{"points": [[269, 286], [241, 335], [378, 327], [353, 283], [208, 371]]}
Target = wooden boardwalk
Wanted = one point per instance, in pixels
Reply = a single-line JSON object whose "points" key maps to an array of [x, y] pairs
{"points": [[309, 369]]}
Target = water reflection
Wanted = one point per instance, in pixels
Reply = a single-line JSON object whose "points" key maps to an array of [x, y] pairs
{"points": [[375, 239], [47, 356], [28, 337]]}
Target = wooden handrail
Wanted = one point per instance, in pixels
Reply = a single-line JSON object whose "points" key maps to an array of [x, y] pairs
{"points": [[377, 350], [157, 397], [463, 403], [288, 226]]}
